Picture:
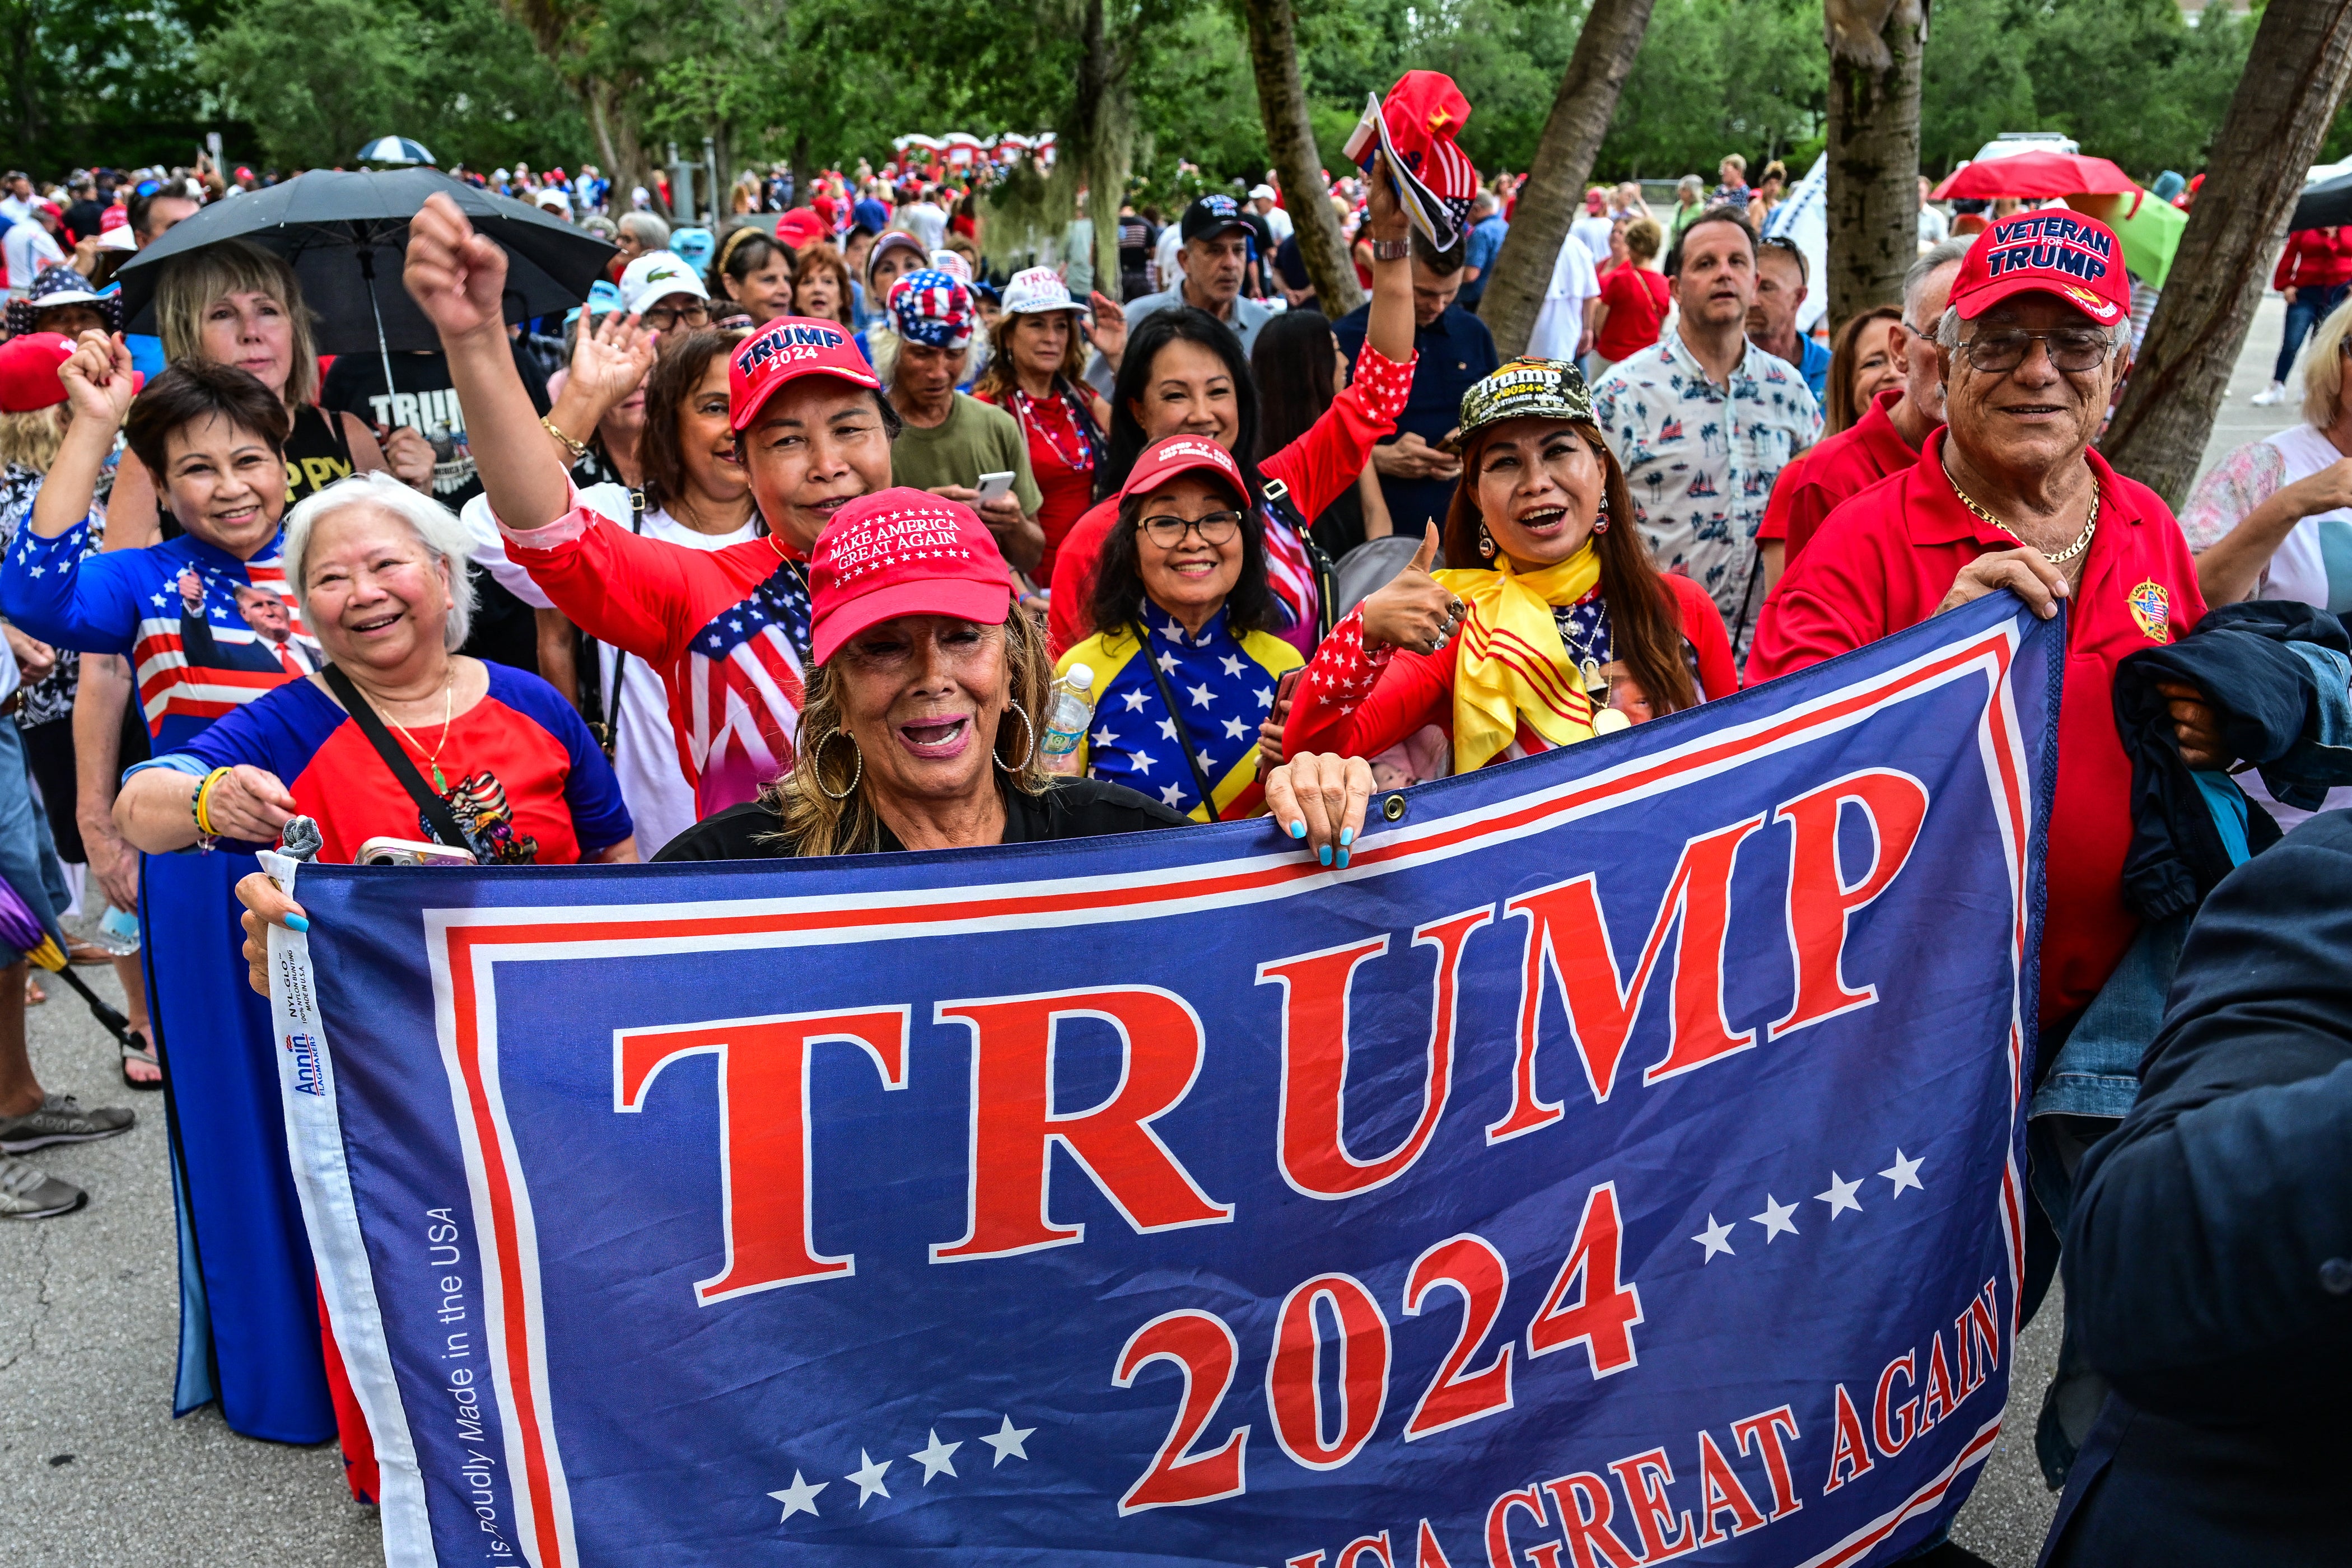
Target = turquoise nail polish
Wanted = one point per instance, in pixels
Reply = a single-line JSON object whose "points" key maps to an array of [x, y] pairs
{"points": [[1347, 836], [296, 923], [1298, 829], [1343, 859], [1324, 853]]}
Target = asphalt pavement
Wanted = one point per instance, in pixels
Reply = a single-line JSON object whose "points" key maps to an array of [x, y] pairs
{"points": [[94, 1470]]}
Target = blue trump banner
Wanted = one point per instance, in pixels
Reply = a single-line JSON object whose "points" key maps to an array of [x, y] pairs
{"points": [[1619, 1158]]}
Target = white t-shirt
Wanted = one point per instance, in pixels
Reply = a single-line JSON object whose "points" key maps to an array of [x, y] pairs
{"points": [[1560, 323], [1592, 230], [1278, 223], [925, 222], [29, 247], [1163, 259]]}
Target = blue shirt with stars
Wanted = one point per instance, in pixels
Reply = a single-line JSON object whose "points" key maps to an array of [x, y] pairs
{"points": [[1224, 685]]}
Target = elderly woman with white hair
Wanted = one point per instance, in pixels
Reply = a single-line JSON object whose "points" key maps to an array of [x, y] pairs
{"points": [[398, 737]]}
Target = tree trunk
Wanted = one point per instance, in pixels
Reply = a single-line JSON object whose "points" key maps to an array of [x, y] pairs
{"points": [[1101, 139], [1282, 104], [616, 139], [2295, 82], [1572, 136], [1873, 207]]}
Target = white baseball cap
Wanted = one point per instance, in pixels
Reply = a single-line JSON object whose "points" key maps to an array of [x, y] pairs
{"points": [[1034, 290], [952, 263], [656, 275], [1264, 193]]}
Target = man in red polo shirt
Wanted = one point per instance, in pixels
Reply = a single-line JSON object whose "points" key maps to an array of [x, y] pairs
{"points": [[2009, 495], [1888, 437]]}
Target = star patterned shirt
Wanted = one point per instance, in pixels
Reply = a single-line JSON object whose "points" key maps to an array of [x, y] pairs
{"points": [[1700, 459], [172, 608], [1224, 685]]}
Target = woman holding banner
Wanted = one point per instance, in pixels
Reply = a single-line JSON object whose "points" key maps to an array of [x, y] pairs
{"points": [[1562, 617]]}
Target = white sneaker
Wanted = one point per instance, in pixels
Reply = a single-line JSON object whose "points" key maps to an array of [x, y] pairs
{"points": [[2270, 396]]}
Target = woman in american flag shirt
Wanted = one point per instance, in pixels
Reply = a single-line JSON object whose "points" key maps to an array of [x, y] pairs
{"points": [[727, 628], [213, 436]]}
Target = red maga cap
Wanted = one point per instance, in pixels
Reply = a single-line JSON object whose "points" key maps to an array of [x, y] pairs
{"points": [[28, 372], [2055, 251], [785, 349], [1174, 454], [903, 552]]}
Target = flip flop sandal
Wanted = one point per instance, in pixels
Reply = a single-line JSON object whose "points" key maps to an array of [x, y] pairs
{"points": [[131, 1053], [80, 952], [34, 995]]}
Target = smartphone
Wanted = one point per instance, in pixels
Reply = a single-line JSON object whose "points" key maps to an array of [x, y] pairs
{"points": [[994, 486], [412, 852]]}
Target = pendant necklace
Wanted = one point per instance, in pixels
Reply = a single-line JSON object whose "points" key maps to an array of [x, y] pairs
{"points": [[448, 697]]}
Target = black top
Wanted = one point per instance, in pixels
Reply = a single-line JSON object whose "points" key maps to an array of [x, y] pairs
{"points": [[1070, 808], [2209, 1250], [318, 453]]}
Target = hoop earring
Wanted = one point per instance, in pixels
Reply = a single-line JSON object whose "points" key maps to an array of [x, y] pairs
{"points": [[1485, 543], [1027, 729], [856, 772]]}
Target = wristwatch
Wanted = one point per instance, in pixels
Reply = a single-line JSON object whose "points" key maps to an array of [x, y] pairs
{"points": [[1391, 249]]}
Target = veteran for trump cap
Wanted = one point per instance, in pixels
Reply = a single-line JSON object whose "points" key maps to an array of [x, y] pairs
{"points": [[2054, 251]]}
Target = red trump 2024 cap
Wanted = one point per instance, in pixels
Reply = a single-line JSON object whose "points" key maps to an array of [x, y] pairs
{"points": [[785, 349], [903, 552], [2054, 251]]}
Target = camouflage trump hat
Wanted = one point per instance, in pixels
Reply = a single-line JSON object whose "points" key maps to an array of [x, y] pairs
{"points": [[1526, 389]]}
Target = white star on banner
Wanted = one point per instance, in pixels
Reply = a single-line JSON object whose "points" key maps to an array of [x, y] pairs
{"points": [[1200, 696], [1840, 1197], [159, 598], [1142, 761], [868, 1477], [1236, 728], [1233, 664], [1774, 1218], [1715, 1237], [1167, 729], [1170, 794], [1167, 663], [1134, 700], [1007, 1439], [799, 1497], [1265, 694], [1903, 1174], [935, 1456], [1104, 736]]}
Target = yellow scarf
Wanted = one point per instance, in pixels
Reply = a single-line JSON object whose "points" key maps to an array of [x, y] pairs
{"points": [[1512, 666]]}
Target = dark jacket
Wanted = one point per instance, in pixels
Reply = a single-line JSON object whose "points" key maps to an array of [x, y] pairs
{"points": [[2271, 701], [2208, 1253]]}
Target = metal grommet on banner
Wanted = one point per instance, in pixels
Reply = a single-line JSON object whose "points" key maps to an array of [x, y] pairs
{"points": [[1394, 808]]}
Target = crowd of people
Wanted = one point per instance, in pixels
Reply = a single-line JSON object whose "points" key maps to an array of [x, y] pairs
{"points": [[792, 537]]}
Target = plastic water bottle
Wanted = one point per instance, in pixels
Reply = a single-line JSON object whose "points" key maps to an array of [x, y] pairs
{"points": [[1069, 708], [117, 932]]}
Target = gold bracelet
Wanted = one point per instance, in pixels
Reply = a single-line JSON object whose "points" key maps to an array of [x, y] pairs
{"points": [[199, 806], [578, 449]]}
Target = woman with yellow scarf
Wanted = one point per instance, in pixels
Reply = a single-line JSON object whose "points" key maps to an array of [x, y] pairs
{"points": [[1551, 626]]}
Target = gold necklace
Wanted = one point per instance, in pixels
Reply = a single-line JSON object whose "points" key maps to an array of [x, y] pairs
{"points": [[448, 697], [2082, 541]]}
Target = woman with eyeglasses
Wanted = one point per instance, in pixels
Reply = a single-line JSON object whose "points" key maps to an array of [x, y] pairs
{"points": [[1185, 665], [664, 294]]}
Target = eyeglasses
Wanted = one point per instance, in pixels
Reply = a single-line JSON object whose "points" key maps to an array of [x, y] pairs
{"points": [[1168, 532], [2076, 349], [662, 318]]}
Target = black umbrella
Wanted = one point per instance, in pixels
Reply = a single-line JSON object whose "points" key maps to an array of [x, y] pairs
{"points": [[2325, 204], [346, 234]]}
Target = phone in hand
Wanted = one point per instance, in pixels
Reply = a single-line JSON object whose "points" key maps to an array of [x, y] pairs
{"points": [[994, 487], [383, 851]]}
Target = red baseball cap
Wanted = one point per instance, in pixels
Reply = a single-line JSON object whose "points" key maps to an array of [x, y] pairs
{"points": [[785, 349], [1173, 455], [29, 371], [2055, 251], [903, 552], [801, 228]]}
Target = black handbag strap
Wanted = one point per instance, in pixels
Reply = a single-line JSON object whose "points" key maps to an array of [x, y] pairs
{"points": [[1168, 699], [438, 817]]}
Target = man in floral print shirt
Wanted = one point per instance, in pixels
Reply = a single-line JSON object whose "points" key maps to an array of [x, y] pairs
{"points": [[1704, 421]]}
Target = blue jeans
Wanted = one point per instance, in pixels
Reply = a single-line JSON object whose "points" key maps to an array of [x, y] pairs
{"points": [[2305, 311]]}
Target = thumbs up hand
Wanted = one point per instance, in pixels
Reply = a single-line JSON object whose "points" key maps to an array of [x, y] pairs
{"points": [[1414, 611]]}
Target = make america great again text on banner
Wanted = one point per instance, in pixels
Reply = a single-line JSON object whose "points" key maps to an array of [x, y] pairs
{"points": [[1620, 1159]]}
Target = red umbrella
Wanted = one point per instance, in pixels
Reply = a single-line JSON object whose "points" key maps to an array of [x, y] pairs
{"points": [[2037, 176]]}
